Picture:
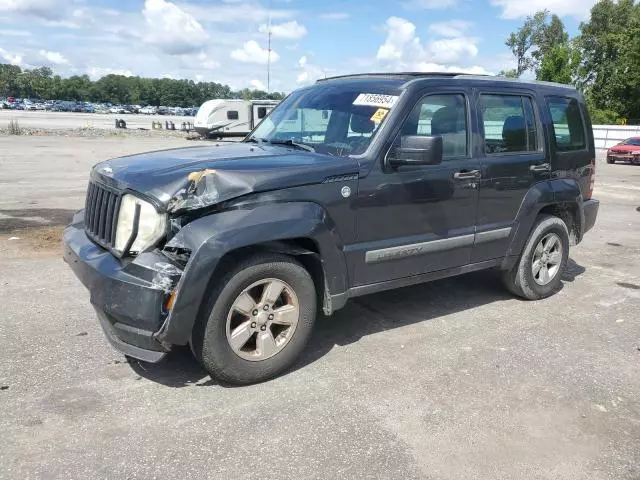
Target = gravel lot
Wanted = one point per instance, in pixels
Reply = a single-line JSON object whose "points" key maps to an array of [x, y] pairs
{"points": [[106, 121], [450, 380]]}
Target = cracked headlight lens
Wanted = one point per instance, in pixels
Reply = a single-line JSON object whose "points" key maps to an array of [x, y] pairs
{"points": [[151, 225]]}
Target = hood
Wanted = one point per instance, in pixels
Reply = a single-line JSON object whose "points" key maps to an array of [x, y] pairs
{"points": [[625, 149], [196, 177]]}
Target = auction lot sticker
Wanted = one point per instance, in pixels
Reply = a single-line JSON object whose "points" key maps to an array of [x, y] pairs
{"points": [[376, 100]]}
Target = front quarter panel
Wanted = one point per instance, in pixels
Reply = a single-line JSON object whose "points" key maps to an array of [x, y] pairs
{"points": [[211, 237]]}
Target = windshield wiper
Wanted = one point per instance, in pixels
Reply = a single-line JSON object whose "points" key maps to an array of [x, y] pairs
{"points": [[289, 142]]}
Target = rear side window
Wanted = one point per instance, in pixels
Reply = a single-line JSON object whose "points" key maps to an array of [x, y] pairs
{"points": [[232, 115], [568, 127], [509, 124]]}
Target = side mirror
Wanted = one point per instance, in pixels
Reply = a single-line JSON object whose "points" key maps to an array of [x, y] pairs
{"points": [[417, 150]]}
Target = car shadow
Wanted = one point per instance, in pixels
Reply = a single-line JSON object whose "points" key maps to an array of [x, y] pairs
{"points": [[361, 316]]}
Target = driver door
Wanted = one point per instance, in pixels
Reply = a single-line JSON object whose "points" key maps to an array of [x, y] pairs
{"points": [[413, 220]]}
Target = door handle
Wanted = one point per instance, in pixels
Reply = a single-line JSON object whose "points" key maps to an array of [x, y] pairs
{"points": [[467, 175], [543, 167]]}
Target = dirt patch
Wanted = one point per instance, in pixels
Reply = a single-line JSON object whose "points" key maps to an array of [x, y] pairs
{"points": [[33, 218], [40, 239]]}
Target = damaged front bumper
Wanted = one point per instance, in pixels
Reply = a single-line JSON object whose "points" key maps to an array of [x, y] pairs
{"points": [[128, 296]]}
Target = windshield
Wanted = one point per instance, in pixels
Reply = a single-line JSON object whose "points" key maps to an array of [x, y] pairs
{"points": [[632, 141], [336, 119]]}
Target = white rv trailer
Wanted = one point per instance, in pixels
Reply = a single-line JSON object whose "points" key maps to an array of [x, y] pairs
{"points": [[231, 118]]}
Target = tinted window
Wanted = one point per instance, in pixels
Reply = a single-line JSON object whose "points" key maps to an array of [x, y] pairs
{"points": [[632, 141], [232, 115], [441, 115], [567, 121], [337, 119], [262, 112], [509, 124]]}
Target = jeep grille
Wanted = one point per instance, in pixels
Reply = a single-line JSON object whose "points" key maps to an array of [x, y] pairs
{"points": [[101, 214]]}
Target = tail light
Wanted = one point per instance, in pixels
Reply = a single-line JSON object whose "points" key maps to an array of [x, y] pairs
{"points": [[592, 179]]}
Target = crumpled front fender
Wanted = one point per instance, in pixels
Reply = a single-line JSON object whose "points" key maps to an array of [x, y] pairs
{"points": [[212, 237]]}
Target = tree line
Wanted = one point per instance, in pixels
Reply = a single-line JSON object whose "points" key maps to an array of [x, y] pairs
{"points": [[42, 83], [602, 61]]}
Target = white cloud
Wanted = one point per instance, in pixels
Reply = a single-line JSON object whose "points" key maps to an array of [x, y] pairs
{"points": [[9, 57], [401, 35], [257, 85], [291, 30], [55, 58], [173, 30], [235, 12], [308, 71], [450, 28], [520, 8], [403, 50], [99, 72], [435, 67], [251, 52], [15, 33], [429, 4], [46, 9], [450, 50], [334, 16]]}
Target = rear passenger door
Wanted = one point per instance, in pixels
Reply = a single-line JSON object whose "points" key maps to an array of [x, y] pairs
{"points": [[512, 157]]}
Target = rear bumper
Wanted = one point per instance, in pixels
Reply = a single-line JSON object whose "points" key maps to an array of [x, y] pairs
{"points": [[128, 297], [590, 208]]}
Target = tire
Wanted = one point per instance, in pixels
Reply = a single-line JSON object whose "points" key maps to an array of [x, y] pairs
{"points": [[610, 160], [522, 280], [211, 342]]}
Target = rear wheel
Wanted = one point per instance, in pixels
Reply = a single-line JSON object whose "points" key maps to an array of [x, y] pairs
{"points": [[260, 318], [538, 273]]}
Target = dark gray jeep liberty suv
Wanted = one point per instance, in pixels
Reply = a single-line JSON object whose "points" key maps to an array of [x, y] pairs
{"points": [[351, 186]]}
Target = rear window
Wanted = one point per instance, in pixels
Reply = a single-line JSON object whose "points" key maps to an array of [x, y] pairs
{"points": [[568, 126]]}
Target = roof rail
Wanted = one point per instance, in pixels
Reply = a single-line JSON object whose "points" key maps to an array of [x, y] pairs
{"points": [[398, 74]]}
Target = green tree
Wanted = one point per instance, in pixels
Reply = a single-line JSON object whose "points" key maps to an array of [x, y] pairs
{"points": [[536, 38], [610, 46]]}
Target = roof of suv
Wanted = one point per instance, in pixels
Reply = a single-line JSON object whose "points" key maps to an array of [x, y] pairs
{"points": [[409, 76]]}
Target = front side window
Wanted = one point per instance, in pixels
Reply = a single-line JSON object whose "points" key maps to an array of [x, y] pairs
{"points": [[568, 126], [339, 120], [441, 115], [509, 124], [232, 115]]}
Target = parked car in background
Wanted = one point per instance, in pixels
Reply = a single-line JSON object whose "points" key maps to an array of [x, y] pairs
{"points": [[627, 151], [149, 110]]}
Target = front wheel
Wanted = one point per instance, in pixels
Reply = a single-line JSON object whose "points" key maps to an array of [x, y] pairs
{"points": [[260, 318], [538, 273]]}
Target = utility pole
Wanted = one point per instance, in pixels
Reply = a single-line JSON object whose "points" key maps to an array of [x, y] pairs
{"points": [[269, 52]]}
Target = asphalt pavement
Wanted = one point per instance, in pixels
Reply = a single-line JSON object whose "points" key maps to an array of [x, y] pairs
{"points": [[454, 379]]}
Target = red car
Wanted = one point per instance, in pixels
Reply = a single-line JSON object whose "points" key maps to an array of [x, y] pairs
{"points": [[626, 151]]}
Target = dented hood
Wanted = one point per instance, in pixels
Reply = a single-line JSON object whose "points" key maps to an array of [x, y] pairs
{"points": [[196, 177]]}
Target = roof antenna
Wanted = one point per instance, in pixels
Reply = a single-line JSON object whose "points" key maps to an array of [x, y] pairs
{"points": [[269, 52]]}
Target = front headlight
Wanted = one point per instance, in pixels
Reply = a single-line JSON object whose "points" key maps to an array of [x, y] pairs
{"points": [[151, 225]]}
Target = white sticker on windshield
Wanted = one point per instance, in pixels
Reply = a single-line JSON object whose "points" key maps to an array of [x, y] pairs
{"points": [[376, 100]]}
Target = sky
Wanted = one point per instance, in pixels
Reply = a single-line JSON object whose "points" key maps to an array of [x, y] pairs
{"points": [[226, 40]]}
